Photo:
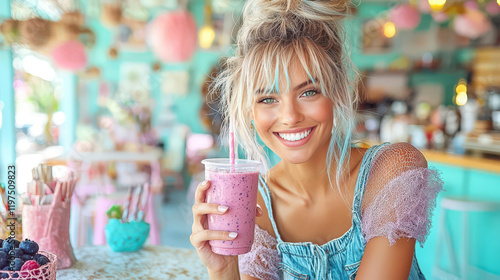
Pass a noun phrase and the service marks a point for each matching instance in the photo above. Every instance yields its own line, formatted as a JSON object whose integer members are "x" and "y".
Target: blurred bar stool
{"x": 464, "y": 205}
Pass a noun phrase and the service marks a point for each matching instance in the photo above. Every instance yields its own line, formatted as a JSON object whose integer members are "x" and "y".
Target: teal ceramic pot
{"x": 126, "y": 237}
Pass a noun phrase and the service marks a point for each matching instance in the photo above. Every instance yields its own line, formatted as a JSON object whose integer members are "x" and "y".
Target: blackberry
{"x": 29, "y": 247}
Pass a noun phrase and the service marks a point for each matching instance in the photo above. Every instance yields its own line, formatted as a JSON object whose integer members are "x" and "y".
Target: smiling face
{"x": 295, "y": 123}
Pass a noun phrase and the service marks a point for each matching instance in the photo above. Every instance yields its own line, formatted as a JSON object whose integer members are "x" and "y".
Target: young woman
{"x": 330, "y": 210}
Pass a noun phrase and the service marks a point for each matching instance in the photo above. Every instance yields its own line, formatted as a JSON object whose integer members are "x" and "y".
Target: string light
{"x": 437, "y": 5}
{"x": 206, "y": 36}
{"x": 390, "y": 29}
{"x": 460, "y": 98}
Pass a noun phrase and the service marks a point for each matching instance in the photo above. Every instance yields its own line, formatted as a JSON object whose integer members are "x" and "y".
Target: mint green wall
{"x": 446, "y": 77}
{"x": 185, "y": 108}
{"x": 354, "y": 28}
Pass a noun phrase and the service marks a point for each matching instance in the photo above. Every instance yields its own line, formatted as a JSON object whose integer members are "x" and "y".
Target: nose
{"x": 290, "y": 112}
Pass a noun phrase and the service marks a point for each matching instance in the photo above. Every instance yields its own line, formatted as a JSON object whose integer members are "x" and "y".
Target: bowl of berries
{"x": 23, "y": 260}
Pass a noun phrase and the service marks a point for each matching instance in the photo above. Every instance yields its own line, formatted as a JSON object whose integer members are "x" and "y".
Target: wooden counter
{"x": 464, "y": 161}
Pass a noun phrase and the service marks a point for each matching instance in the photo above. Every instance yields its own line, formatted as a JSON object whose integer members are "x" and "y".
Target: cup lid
{"x": 227, "y": 162}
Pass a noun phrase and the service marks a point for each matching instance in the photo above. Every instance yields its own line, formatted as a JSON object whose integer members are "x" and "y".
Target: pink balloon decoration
{"x": 70, "y": 55}
{"x": 405, "y": 16}
{"x": 440, "y": 17}
{"x": 493, "y": 8}
{"x": 173, "y": 36}
{"x": 424, "y": 7}
{"x": 471, "y": 5}
{"x": 472, "y": 24}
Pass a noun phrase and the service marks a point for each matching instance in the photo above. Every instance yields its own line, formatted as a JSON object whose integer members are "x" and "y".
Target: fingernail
{"x": 204, "y": 183}
{"x": 222, "y": 208}
{"x": 260, "y": 210}
{"x": 233, "y": 234}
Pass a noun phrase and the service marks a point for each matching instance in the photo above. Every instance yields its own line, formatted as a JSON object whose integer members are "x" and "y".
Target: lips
{"x": 296, "y": 137}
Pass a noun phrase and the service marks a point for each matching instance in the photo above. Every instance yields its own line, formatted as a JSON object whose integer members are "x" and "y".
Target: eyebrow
{"x": 306, "y": 83}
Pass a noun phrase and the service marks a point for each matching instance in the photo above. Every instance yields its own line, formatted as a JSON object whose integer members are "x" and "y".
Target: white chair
{"x": 465, "y": 270}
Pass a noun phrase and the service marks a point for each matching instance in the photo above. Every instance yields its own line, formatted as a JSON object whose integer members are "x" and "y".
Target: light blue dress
{"x": 337, "y": 259}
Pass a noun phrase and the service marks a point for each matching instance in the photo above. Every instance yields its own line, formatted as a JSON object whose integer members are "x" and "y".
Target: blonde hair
{"x": 275, "y": 33}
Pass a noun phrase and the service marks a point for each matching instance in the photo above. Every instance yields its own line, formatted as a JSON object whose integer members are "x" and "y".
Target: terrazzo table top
{"x": 151, "y": 262}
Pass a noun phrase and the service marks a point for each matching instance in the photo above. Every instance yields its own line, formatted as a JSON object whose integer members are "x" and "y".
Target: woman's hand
{"x": 201, "y": 235}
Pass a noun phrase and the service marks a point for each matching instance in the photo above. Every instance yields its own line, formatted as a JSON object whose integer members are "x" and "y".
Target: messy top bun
{"x": 286, "y": 20}
{"x": 275, "y": 34}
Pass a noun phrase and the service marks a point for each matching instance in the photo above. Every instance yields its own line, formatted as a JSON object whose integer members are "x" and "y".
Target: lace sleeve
{"x": 400, "y": 195}
{"x": 263, "y": 260}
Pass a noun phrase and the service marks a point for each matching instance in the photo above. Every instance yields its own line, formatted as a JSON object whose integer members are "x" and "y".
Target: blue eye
{"x": 267, "y": 100}
{"x": 310, "y": 93}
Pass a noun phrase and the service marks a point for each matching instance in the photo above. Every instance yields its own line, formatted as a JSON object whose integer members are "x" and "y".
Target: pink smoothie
{"x": 238, "y": 191}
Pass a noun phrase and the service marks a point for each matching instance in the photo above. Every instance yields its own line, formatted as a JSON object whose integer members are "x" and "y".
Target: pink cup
{"x": 234, "y": 186}
{"x": 50, "y": 232}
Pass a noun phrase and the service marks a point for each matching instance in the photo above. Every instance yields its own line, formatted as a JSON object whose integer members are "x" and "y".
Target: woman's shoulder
{"x": 400, "y": 156}
{"x": 399, "y": 174}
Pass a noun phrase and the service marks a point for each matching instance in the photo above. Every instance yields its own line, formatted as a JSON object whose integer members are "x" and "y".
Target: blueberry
{"x": 3, "y": 255}
{"x": 18, "y": 263}
{"x": 41, "y": 259}
{"x": 7, "y": 245}
{"x": 29, "y": 247}
{"x": 1, "y": 241}
{"x": 18, "y": 253}
{"x": 4, "y": 262}
{"x": 16, "y": 243}
{"x": 26, "y": 257}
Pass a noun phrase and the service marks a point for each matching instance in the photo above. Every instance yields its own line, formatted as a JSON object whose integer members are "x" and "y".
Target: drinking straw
{"x": 231, "y": 150}
{"x": 138, "y": 204}
{"x": 128, "y": 203}
{"x": 142, "y": 214}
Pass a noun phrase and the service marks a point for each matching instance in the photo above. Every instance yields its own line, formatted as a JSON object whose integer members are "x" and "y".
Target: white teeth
{"x": 294, "y": 136}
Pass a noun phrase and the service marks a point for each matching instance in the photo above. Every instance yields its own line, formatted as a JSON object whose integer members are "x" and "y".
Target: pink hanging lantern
{"x": 70, "y": 55}
{"x": 173, "y": 36}
{"x": 440, "y": 17}
{"x": 405, "y": 16}
{"x": 472, "y": 24}
{"x": 493, "y": 8}
{"x": 471, "y": 5}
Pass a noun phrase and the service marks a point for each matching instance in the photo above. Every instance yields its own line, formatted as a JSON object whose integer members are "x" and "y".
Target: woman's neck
{"x": 306, "y": 180}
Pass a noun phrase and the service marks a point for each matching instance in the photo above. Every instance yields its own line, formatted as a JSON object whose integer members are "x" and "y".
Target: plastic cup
{"x": 234, "y": 186}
